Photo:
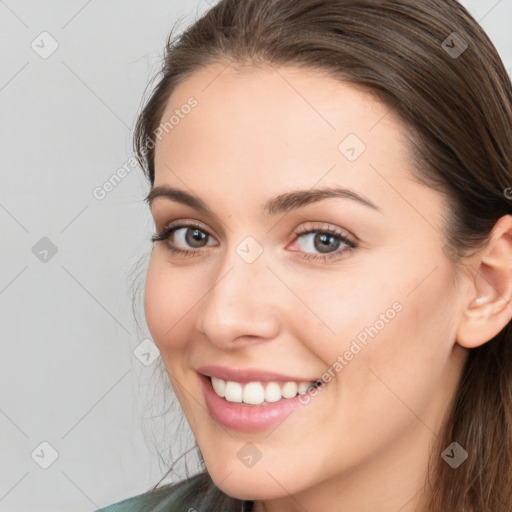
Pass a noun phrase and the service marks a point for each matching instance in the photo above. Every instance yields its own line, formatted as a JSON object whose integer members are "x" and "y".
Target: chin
{"x": 250, "y": 488}
{"x": 252, "y": 483}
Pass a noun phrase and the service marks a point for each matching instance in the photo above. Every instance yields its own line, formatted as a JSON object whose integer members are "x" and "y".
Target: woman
{"x": 332, "y": 267}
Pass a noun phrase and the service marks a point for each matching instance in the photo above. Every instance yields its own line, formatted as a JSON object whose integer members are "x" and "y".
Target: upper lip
{"x": 244, "y": 375}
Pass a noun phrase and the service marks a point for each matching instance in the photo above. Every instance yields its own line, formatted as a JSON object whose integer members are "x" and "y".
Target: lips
{"x": 244, "y": 376}
{"x": 236, "y": 414}
{"x": 244, "y": 417}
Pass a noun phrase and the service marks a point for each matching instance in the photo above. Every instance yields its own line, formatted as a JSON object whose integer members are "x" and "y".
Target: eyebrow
{"x": 283, "y": 203}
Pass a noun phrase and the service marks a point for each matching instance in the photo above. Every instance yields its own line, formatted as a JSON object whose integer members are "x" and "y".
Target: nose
{"x": 241, "y": 306}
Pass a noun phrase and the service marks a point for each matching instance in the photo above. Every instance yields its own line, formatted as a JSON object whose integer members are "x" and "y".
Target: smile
{"x": 242, "y": 402}
{"x": 258, "y": 393}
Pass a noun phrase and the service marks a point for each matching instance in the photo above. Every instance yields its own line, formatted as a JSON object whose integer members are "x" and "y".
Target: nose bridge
{"x": 239, "y": 302}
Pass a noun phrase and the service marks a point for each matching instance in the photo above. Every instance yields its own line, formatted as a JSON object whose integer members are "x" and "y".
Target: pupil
{"x": 196, "y": 236}
{"x": 325, "y": 240}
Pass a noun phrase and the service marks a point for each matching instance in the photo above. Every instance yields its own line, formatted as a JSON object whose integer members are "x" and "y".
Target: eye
{"x": 323, "y": 243}
{"x": 190, "y": 236}
{"x": 188, "y": 239}
{"x": 184, "y": 239}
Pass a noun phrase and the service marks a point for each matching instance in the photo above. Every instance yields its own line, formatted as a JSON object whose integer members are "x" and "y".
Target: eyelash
{"x": 168, "y": 231}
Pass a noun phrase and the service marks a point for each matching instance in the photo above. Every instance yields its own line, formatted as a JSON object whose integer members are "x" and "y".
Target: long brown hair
{"x": 431, "y": 63}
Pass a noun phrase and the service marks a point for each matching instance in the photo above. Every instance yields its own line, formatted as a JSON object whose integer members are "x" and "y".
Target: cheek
{"x": 398, "y": 322}
{"x": 167, "y": 304}
{"x": 406, "y": 360}
{"x": 343, "y": 312}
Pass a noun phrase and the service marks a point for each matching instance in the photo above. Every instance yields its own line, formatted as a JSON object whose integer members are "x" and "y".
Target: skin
{"x": 363, "y": 442}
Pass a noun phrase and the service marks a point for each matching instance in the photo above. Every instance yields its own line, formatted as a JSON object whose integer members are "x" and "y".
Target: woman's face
{"x": 352, "y": 287}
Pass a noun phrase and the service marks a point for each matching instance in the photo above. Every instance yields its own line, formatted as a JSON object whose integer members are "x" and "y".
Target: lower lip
{"x": 246, "y": 417}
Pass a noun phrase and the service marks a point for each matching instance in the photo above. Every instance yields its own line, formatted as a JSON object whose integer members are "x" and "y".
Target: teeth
{"x": 219, "y": 386}
{"x": 258, "y": 393}
{"x": 303, "y": 387}
{"x": 253, "y": 393}
{"x": 233, "y": 392}
{"x": 289, "y": 390}
{"x": 272, "y": 392}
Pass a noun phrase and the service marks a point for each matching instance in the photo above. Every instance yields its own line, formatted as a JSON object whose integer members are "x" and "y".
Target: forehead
{"x": 277, "y": 114}
{"x": 262, "y": 130}
{"x": 265, "y": 100}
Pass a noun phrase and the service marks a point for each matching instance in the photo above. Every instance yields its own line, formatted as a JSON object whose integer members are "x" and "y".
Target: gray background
{"x": 75, "y": 370}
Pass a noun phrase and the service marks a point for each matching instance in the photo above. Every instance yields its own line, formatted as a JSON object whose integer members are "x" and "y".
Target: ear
{"x": 489, "y": 307}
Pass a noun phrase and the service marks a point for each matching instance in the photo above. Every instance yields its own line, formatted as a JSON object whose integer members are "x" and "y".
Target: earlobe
{"x": 489, "y": 307}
